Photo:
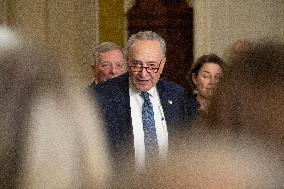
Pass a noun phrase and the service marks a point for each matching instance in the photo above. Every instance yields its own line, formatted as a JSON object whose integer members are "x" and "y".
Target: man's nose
{"x": 113, "y": 70}
{"x": 144, "y": 72}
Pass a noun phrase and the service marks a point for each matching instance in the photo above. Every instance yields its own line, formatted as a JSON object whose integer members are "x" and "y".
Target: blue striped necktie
{"x": 150, "y": 136}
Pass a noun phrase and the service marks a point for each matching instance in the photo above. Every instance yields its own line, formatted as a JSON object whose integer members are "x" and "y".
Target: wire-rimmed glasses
{"x": 151, "y": 68}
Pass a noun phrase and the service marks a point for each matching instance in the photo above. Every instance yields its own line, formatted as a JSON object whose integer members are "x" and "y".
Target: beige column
{"x": 3, "y": 12}
{"x": 30, "y": 19}
{"x": 69, "y": 27}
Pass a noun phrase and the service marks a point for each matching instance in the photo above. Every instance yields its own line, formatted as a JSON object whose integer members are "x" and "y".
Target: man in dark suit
{"x": 123, "y": 103}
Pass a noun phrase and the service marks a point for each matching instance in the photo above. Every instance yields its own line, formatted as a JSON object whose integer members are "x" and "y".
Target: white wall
{"x": 218, "y": 23}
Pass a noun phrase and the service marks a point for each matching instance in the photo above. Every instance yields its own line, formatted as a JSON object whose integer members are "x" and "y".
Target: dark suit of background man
{"x": 121, "y": 101}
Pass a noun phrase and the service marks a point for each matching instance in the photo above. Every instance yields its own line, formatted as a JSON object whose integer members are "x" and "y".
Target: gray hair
{"x": 146, "y": 35}
{"x": 105, "y": 47}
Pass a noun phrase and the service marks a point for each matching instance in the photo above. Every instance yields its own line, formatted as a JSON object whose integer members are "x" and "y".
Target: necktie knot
{"x": 145, "y": 96}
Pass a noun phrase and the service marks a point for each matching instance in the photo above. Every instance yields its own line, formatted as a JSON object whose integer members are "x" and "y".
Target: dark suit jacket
{"x": 113, "y": 97}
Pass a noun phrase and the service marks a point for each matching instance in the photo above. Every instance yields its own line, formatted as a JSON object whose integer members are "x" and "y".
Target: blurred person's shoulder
{"x": 112, "y": 86}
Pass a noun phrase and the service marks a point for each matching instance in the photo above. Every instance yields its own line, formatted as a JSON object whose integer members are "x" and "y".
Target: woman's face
{"x": 207, "y": 79}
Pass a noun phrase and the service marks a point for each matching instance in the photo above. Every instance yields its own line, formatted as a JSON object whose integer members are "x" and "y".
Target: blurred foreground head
{"x": 50, "y": 135}
{"x": 212, "y": 163}
{"x": 251, "y": 98}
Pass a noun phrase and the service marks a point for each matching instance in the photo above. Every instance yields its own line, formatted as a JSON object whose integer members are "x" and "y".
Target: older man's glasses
{"x": 151, "y": 68}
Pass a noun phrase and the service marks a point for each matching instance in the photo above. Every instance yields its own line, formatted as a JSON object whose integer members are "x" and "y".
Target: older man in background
{"x": 109, "y": 62}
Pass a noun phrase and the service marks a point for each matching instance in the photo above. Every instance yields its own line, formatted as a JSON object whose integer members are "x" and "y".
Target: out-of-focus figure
{"x": 109, "y": 62}
{"x": 205, "y": 77}
{"x": 233, "y": 50}
{"x": 50, "y": 135}
{"x": 250, "y": 101}
{"x": 212, "y": 162}
{"x": 239, "y": 46}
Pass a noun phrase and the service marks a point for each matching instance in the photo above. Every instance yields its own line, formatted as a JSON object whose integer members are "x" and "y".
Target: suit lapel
{"x": 165, "y": 98}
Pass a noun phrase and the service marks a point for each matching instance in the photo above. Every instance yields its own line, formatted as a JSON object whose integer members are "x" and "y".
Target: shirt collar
{"x": 132, "y": 91}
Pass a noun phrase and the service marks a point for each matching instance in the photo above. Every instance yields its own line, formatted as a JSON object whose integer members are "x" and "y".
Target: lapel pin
{"x": 170, "y": 102}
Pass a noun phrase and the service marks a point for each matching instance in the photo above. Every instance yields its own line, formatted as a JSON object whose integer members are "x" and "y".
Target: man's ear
{"x": 163, "y": 62}
{"x": 164, "y": 59}
{"x": 93, "y": 66}
{"x": 94, "y": 69}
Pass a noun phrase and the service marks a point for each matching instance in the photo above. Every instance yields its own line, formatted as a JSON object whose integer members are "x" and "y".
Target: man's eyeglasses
{"x": 151, "y": 68}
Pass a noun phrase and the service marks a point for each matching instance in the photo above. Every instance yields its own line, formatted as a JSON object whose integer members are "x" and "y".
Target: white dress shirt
{"x": 136, "y": 102}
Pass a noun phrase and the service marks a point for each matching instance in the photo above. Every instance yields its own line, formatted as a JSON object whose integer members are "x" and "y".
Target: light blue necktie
{"x": 150, "y": 136}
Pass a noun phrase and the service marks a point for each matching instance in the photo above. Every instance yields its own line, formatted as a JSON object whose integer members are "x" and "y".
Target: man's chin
{"x": 142, "y": 88}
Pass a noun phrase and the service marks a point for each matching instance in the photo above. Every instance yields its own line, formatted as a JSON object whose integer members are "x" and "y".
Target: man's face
{"x": 146, "y": 53}
{"x": 111, "y": 64}
{"x": 207, "y": 79}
